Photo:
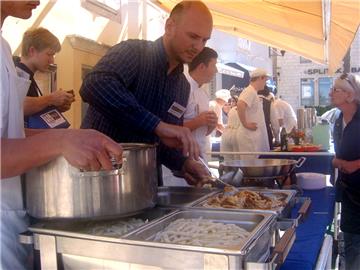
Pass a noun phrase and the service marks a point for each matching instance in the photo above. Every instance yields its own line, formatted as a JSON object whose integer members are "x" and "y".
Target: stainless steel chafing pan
{"x": 178, "y": 197}
{"x": 260, "y": 168}
{"x": 79, "y": 251}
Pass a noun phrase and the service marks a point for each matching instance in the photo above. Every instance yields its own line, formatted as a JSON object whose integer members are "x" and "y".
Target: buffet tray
{"x": 181, "y": 197}
{"x": 260, "y": 225}
{"x": 281, "y": 212}
{"x": 79, "y": 228}
{"x": 64, "y": 246}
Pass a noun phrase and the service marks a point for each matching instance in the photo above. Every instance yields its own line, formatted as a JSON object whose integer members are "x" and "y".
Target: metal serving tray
{"x": 281, "y": 212}
{"x": 60, "y": 249}
{"x": 180, "y": 197}
{"x": 80, "y": 228}
{"x": 256, "y": 247}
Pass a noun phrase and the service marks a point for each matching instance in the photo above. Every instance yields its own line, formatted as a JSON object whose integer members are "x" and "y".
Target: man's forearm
{"x": 20, "y": 155}
{"x": 36, "y": 104}
{"x": 193, "y": 123}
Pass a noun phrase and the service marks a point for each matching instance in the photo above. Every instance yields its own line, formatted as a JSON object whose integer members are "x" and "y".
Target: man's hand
{"x": 251, "y": 126}
{"x": 195, "y": 173}
{"x": 178, "y": 137}
{"x": 89, "y": 149}
{"x": 344, "y": 166}
{"x": 208, "y": 118}
{"x": 60, "y": 98}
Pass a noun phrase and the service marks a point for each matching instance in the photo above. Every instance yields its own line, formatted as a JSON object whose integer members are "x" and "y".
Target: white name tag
{"x": 53, "y": 118}
{"x": 176, "y": 110}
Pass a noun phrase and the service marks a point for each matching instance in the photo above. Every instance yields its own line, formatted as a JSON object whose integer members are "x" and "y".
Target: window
{"x": 324, "y": 85}
{"x": 304, "y": 60}
{"x": 307, "y": 92}
{"x": 106, "y": 8}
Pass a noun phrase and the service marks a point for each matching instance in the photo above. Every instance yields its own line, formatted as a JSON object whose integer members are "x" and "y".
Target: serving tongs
{"x": 214, "y": 178}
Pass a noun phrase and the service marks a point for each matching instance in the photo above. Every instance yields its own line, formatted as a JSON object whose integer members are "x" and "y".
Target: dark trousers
{"x": 352, "y": 251}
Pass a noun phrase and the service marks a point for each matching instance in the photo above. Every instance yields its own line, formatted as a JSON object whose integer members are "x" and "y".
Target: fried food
{"x": 246, "y": 199}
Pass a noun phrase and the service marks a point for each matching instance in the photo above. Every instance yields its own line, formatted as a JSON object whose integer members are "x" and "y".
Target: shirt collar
{"x": 160, "y": 49}
{"x": 25, "y": 68}
{"x": 191, "y": 80}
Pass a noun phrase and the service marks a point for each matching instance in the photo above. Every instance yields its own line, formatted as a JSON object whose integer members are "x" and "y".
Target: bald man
{"x": 140, "y": 85}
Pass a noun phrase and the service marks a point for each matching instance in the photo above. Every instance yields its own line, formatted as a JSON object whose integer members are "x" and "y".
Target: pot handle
{"x": 26, "y": 238}
{"x": 300, "y": 162}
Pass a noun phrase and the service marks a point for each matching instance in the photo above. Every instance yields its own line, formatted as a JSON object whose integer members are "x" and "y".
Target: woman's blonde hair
{"x": 40, "y": 39}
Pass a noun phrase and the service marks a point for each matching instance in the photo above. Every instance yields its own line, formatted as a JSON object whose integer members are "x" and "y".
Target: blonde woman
{"x": 345, "y": 95}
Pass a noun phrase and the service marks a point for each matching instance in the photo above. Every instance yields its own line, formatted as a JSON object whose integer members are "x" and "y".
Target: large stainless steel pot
{"x": 58, "y": 190}
{"x": 261, "y": 168}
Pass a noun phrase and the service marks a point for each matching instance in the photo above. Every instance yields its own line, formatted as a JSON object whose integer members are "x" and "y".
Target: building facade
{"x": 302, "y": 82}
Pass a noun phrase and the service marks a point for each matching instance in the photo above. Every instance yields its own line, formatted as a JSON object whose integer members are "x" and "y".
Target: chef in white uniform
{"x": 252, "y": 133}
{"x": 229, "y": 141}
{"x": 77, "y": 146}
{"x": 198, "y": 117}
{"x": 222, "y": 97}
{"x": 286, "y": 115}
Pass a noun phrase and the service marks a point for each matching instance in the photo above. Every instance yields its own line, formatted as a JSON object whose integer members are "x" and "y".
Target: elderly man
{"x": 198, "y": 118}
{"x": 140, "y": 84}
{"x": 252, "y": 133}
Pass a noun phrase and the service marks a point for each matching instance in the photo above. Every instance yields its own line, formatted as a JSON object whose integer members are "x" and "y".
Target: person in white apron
{"x": 252, "y": 133}
{"x": 229, "y": 141}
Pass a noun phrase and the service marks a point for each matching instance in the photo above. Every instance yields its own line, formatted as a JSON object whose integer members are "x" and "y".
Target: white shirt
{"x": 12, "y": 215}
{"x": 198, "y": 102}
{"x": 286, "y": 112}
{"x": 253, "y": 140}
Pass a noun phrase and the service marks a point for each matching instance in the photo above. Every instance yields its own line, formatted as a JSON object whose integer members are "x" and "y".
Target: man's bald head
{"x": 187, "y": 30}
{"x": 181, "y": 8}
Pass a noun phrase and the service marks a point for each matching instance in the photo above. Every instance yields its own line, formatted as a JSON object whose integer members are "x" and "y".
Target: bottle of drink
{"x": 283, "y": 139}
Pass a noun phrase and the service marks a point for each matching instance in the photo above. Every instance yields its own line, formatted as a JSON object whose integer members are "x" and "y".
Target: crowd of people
{"x": 138, "y": 92}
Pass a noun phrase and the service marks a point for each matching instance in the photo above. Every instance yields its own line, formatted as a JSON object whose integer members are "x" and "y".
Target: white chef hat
{"x": 258, "y": 72}
{"x": 349, "y": 83}
{"x": 223, "y": 94}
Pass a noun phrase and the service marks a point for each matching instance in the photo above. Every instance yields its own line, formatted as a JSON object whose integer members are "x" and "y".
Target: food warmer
{"x": 63, "y": 247}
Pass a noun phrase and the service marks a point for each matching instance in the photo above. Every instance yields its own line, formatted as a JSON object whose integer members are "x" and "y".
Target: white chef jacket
{"x": 229, "y": 137}
{"x": 286, "y": 112}
{"x": 252, "y": 140}
{"x": 13, "y": 217}
{"x": 198, "y": 102}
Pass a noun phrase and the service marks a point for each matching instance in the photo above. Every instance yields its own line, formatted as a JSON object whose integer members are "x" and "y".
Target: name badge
{"x": 177, "y": 110}
{"x": 53, "y": 118}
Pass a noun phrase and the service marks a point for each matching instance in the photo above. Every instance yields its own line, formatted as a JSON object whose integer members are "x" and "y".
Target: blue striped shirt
{"x": 129, "y": 91}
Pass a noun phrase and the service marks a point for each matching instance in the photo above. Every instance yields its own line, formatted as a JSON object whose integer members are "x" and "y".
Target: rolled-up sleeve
{"x": 106, "y": 88}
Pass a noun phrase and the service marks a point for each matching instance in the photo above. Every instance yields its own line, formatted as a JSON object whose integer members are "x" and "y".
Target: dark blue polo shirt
{"x": 129, "y": 91}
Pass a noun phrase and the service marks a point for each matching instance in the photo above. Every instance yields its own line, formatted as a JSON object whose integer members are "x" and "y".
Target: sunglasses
{"x": 345, "y": 77}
